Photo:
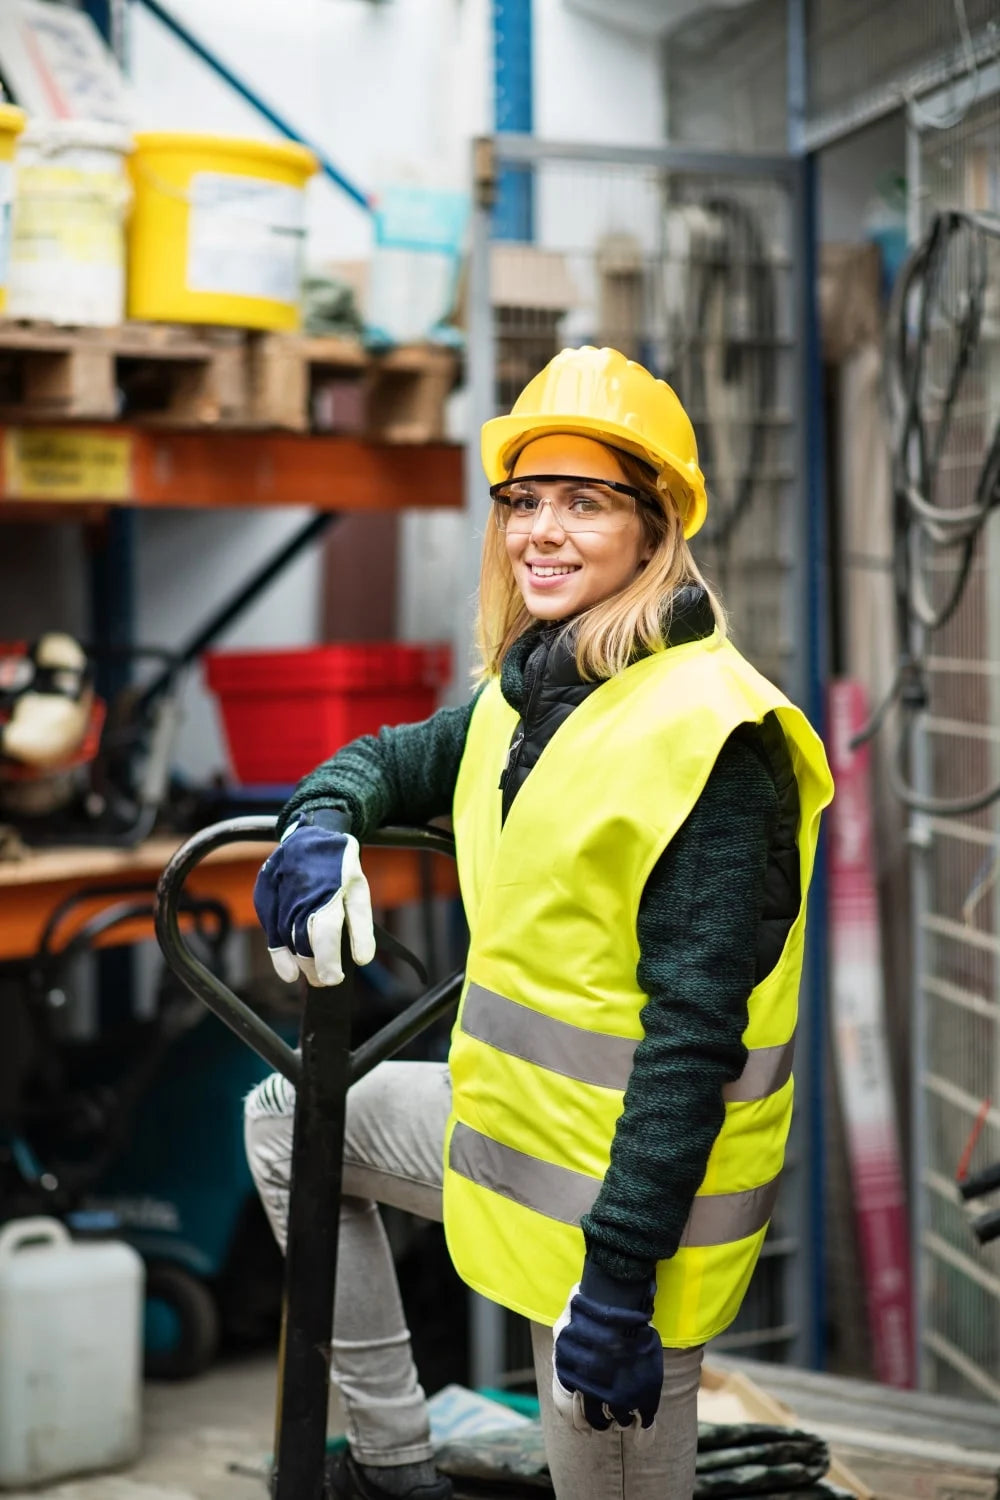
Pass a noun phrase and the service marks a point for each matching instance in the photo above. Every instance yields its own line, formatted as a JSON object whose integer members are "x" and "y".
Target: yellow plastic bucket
{"x": 12, "y": 122}
{"x": 217, "y": 230}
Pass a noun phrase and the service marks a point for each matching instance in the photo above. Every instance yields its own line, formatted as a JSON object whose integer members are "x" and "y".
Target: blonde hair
{"x": 611, "y": 634}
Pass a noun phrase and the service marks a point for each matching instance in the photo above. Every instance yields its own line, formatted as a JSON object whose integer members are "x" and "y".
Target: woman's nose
{"x": 545, "y": 521}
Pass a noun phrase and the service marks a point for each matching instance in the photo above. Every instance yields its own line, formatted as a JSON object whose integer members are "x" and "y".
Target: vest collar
{"x": 539, "y": 678}
{"x": 548, "y": 651}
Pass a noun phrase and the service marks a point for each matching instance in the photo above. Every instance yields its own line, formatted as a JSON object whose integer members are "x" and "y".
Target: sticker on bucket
{"x": 245, "y": 237}
{"x": 68, "y": 251}
{"x": 6, "y": 205}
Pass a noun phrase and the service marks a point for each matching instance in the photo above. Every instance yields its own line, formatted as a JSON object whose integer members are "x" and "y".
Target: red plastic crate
{"x": 284, "y": 712}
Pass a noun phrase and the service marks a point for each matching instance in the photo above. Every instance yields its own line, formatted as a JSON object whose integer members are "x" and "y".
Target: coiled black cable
{"x": 922, "y": 524}
{"x": 737, "y": 266}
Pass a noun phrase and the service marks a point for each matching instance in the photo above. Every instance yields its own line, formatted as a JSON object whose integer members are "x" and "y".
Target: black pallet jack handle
{"x": 322, "y": 1074}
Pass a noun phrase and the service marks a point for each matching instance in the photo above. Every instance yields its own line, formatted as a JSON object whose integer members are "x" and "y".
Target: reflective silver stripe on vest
{"x": 590, "y": 1056}
{"x": 562, "y": 1048}
{"x": 767, "y": 1069}
{"x": 560, "y": 1193}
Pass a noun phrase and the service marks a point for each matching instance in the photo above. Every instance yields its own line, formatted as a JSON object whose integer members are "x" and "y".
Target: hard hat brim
{"x": 504, "y": 437}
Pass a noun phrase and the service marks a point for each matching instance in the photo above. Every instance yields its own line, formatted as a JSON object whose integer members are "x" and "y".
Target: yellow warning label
{"x": 60, "y": 463}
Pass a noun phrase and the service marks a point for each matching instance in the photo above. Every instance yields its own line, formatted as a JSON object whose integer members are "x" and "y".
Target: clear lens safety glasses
{"x": 575, "y": 504}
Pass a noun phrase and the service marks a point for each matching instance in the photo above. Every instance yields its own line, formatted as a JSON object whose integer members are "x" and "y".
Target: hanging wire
{"x": 731, "y": 274}
{"x": 926, "y": 530}
{"x": 925, "y": 119}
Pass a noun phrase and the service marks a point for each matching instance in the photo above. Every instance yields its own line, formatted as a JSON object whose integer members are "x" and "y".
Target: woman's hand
{"x": 306, "y": 890}
{"x": 607, "y": 1359}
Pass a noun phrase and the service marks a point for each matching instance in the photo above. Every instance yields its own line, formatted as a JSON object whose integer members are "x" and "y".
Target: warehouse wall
{"x": 391, "y": 92}
{"x": 384, "y": 90}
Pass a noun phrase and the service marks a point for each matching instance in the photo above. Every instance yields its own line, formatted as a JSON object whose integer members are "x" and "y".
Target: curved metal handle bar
{"x": 99, "y": 923}
{"x": 239, "y": 1016}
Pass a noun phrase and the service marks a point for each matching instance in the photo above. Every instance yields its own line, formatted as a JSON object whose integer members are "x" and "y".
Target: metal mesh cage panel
{"x": 959, "y": 937}
{"x": 692, "y": 278}
{"x": 691, "y": 275}
{"x": 726, "y": 71}
{"x": 891, "y": 50}
{"x": 726, "y": 78}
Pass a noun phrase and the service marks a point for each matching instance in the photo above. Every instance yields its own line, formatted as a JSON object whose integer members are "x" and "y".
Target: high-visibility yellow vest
{"x": 549, "y": 1020}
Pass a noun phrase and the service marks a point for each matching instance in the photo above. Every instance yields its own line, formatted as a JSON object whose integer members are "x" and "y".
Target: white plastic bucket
{"x": 70, "y": 1353}
{"x": 71, "y": 197}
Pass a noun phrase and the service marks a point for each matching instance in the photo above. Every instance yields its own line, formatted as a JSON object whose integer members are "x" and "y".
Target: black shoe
{"x": 345, "y": 1481}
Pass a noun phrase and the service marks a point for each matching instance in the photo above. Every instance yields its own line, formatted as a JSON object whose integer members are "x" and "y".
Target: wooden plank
{"x": 904, "y": 1444}
{"x": 730, "y": 1396}
{"x": 872, "y": 1404}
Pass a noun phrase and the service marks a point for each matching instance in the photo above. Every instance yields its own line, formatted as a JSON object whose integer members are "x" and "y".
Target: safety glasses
{"x": 575, "y": 503}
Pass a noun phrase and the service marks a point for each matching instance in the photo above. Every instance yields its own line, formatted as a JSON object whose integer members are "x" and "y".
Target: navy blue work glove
{"x": 607, "y": 1359}
{"x": 306, "y": 890}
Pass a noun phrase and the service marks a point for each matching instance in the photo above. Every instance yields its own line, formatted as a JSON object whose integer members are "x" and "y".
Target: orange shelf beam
{"x": 83, "y": 466}
{"x": 32, "y": 888}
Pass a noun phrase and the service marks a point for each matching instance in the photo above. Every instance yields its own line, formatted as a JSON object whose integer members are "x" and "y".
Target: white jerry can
{"x": 70, "y": 1353}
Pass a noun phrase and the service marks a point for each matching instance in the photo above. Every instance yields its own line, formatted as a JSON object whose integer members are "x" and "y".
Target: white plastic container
{"x": 71, "y": 198}
{"x": 70, "y": 1353}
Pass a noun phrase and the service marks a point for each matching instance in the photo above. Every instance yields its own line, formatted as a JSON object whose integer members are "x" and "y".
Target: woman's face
{"x": 562, "y": 572}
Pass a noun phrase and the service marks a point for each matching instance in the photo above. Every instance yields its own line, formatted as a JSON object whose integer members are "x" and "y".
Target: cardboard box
{"x": 850, "y": 306}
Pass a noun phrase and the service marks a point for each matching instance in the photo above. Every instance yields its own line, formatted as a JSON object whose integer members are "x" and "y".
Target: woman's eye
{"x": 586, "y": 504}
{"x": 523, "y": 505}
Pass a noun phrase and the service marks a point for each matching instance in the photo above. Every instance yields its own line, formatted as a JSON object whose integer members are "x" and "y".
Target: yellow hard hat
{"x": 598, "y": 393}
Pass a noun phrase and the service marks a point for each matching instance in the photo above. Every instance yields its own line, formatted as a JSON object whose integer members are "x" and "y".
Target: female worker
{"x": 636, "y": 812}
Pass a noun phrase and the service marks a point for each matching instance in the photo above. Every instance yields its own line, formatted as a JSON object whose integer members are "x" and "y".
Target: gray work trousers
{"x": 393, "y": 1154}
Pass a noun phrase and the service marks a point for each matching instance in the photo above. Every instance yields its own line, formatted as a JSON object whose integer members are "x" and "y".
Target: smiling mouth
{"x": 552, "y": 570}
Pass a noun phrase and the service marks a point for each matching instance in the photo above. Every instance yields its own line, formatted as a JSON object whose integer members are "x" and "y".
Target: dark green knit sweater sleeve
{"x": 404, "y": 774}
{"x": 697, "y": 928}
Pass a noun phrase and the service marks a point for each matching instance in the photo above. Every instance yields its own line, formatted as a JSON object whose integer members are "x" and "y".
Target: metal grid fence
{"x": 692, "y": 277}
{"x": 865, "y": 57}
{"x": 727, "y": 70}
{"x": 958, "y": 912}
{"x": 692, "y": 273}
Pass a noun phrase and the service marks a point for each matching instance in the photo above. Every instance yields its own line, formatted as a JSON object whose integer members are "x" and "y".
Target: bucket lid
{"x": 290, "y": 153}
{"x": 12, "y": 119}
{"x": 64, "y": 135}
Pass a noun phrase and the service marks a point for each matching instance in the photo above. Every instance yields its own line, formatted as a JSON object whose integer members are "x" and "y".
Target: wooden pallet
{"x": 167, "y": 374}
{"x": 184, "y": 376}
{"x": 50, "y": 372}
{"x": 301, "y": 383}
{"x": 294, "y": 381}
{"x": 178, "y": 376}
{"x": 406, "y": 395}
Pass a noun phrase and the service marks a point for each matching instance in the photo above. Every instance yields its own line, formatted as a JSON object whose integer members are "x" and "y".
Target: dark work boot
{"x": 346, "y": 1481}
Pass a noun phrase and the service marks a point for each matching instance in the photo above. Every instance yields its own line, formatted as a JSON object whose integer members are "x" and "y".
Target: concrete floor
{"x": 203, "y": 1439}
